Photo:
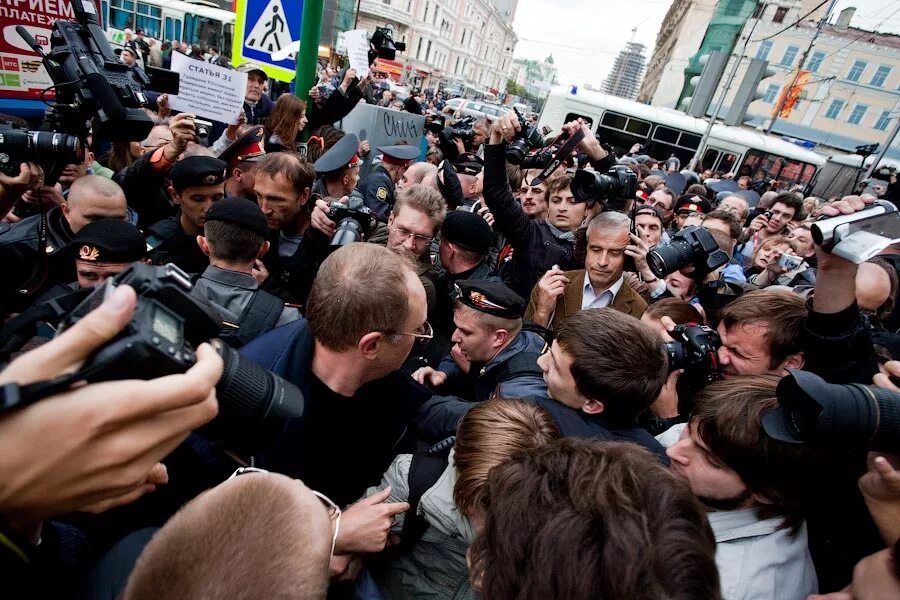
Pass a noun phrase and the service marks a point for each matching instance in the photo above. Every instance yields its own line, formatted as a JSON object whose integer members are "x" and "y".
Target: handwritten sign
{"x": 383, "y": 127}
{"x": 208, "y": 90}
{"x": 357, "y": 42}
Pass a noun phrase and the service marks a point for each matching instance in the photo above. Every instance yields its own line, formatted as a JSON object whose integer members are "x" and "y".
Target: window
{"x": 428, "y": 51}
{"x": 759, "y": 10}
{"x": 779, "y": 15}
{"x": 790, "y": 55}
{"x": 835, "y": 109}
{"x": 880, "y": 76}
{"x": 815, "y": 61}
{"x": 149, "y": 18}
{"x": 856, "y": 70}
{"x": 859, "y": 111}
{"x": 419, "y": 50}
{"x": 763, "y": 52}
{"x": 771, "y": 94}
{"x": 121, "y": 14}
{"x": 425, "y": 16}
{"x": 882, "y": 123}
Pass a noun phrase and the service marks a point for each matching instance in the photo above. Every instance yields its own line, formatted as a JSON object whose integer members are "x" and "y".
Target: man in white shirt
{"x": 600, "y": 284}
{"x": 757, "y": 489}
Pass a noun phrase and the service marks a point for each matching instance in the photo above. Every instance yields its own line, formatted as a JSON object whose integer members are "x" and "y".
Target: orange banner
{"x": 791, "y": 95}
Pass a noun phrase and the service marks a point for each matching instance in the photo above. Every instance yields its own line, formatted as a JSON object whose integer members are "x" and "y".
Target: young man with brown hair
{"x": 581, "y": 519}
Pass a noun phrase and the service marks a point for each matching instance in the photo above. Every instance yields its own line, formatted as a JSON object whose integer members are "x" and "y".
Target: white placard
{"x": 209, "y": 91}
{"x": 358, "y": 51}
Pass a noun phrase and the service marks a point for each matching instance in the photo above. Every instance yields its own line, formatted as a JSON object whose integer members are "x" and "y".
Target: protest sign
{"x": 208, "y": 90}
{"x": 358, "y": 51}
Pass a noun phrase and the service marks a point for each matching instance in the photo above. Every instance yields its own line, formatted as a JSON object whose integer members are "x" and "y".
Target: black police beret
{"x": 197, "y": 171}
{"x": 468, "y": 164}
{"x": 491, "y": 297}
{"x": 468, "y": 231}
{"x": 109, "y": 240}
{"x": 240, "y": 212}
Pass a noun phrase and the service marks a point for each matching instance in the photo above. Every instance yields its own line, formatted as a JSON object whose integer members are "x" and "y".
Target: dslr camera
{"x": 860, "y": 236}
{"x": 167, "y": 325}
{"x": 49, "y": 149}
{"x": 619, "y": 183}
{"x": 694, "y": 349}
{"x": 355, "y": 222}
{"x": 526, "y": 139}
{"x": 692, "y": 245}
{"x": 812, "y": 411}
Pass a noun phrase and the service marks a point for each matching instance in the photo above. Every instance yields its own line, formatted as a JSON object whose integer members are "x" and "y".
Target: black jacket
{"x": 168, "y": 243}
{"x": 145, "y": 190}
{"x": 535, "y": 246}
{"x": 24, "y": 267}
{"x": 838, "y": 347}
{"x": 391, "y": 401}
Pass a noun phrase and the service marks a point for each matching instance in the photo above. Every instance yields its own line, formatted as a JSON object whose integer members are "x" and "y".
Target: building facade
{"x": 624, "y": 79}
{"x": 536, "y": 77}
{"x": 470, "y": 42}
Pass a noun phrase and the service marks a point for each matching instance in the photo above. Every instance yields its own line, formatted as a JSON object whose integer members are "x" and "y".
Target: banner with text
{"x": 208, "y": 90}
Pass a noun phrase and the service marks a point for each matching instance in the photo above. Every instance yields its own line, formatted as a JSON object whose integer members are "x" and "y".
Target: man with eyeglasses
{"x": 492, "y": 356}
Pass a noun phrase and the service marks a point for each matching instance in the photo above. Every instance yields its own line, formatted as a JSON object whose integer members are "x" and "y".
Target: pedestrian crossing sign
{"x": 261, "y": 29}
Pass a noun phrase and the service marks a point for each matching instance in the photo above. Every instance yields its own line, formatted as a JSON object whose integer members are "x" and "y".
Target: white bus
{"x": 196, "y": 22}
{"x": 664, "y": 132}
{"x": 843, "y": 172}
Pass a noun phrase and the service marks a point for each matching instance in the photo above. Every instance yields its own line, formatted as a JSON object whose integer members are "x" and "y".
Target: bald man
{"x": 33, "y": 262}
{"x": 416, "y": 173}
{"x": 259, "y": 531}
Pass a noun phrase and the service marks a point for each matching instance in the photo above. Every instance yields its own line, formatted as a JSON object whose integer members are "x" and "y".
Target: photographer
{"x": 537, "y": 245}
{"x": 33, "y": 250}
{"x": 785, "y": 208}
{"x": 112, "y": 458}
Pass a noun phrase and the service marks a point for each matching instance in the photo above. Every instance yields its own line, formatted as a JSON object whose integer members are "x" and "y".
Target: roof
{"x": 889, "y": 40}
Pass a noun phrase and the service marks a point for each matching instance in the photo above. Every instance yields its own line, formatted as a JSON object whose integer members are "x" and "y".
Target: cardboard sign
{"x": 358, "y": 51}
{"x": 22, "y": 76}
{"x": 208, "y": 90}
{"x": 383, "y": 127}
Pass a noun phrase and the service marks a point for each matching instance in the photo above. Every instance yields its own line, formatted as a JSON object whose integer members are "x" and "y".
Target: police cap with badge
{"x": 240, "y": 212}
{"x": 468, "y": 164}
{"x": 490, "y": 297}
{"x": 400, "y": 155}
{"x": 109, "y": 241}
{"x": 197, "y": 171}
{"x": 343, "y": 154}
{"x": 247, "y": 148}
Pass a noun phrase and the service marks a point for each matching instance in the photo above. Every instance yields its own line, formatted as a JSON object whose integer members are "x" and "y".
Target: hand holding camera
{"x": 638, "y": 250}
{"x": 183, "y": 130}
{"x": 549, "y": 288}
{"x": 758, "y": 223}
{"x": 320, "y": 220}
{"x": 505, "y": 128}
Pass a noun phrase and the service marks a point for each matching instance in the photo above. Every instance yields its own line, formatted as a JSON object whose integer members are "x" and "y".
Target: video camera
{"x": 527, "y": 138}
{"x": 860, "y": 236}
{"x": 355, "y": 221}
{"x": 694, "y": 349}
{"x": 619, "y": 183}
{"x": 692, "y": 245}
{"x": 816, "y": 412}
{"x": 167, "y": 325}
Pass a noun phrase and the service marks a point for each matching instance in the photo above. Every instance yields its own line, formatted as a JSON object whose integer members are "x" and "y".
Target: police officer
{"x": 378, "y": 188}
{"x": 103, "y": 249}
{"x": 234, "y": 239}
{"x": 492, "y": 355}
{"x": 240, "y": 156}
{"x": 197, "y": 182}
{"x": 338, "y": 169}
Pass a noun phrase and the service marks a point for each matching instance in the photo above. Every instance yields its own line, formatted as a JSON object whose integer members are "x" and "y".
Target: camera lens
{"x": 668, "y": 259}
{"x": 247, "y": 391}
{"x": 348, "y": 231}
{"x": 587, "y": 186}
{"x": 516, "y": 152}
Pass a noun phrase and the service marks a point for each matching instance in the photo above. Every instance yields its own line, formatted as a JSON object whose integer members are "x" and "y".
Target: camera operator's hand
{"x": 314, "y": 94}
{"x": 460, "y": 145}
{"x": 485, "y": 213}
{"x": 162, "y": 106}
{"x": 883, "y": 380}
{"x": 880, "y": 488}
{"x": 836, "y": 277}
{"x": 123, "y": 427}
{"x": 758, "y": 223}
{"x": 588, "y": 144}
{"x": 349, "y": 76}
{"x": 666, "y": 404}
{"x": 505, "y": 129}
{"x": 638, "y": 250}
{"x": 548, "y": 290}
{"x": 365, "y": 525}
{"x": 183, "y": 131}
{"x": 430, "y": 377}
{"x": 45, "y": 197}
{"x": 29, "y": 179}
{"x": 320, "y": 220}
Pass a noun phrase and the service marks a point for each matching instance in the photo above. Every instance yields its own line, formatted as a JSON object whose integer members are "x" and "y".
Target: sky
{"x": 584, "y": 36}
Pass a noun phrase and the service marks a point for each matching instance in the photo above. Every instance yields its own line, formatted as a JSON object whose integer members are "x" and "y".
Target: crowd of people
{"x": 502, "y": 395}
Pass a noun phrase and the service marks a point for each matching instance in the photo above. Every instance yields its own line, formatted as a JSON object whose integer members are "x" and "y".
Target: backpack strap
{"x": 523, "y": 363}
{"x": 260, "y": 315}
{"x": 424, "y": 471}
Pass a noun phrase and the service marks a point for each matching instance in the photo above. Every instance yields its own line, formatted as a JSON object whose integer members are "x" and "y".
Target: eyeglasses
{"x": 425, "y": 332}
{"x": 405, "y": 234}
{"x": 334, "y": 511}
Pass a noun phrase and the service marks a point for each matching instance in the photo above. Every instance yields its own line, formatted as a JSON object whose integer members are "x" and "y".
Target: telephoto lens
{"x": 692, "y": 245}
{"x": 247, "y": 391}
{"x": 813, "y": 411}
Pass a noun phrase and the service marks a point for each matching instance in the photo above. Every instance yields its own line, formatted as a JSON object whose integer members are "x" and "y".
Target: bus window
{"x": 104, "y": 13}
{"x": 614, "y": 120}
{"x": 726, "y": 165}
{"x": 169, "y": 30}
{"x": 689, "y": 140}
{"x": 784, "y": 170}
{"x": 573, "y": 117}
{"x": 227, "y": 37}
{"x": 121, "y": 14}
{"x": 709, "y": 159}
{"x": 641, "y": 128}
{"x": 149, "y": 18}
{"x": 666, "y": 134}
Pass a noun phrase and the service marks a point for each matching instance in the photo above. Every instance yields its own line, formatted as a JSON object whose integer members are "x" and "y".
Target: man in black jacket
{"x": 32, "y": 250}
{"x": 537, "y": 245}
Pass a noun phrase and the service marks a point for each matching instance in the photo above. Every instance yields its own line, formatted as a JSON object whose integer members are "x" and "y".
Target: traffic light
{"x": 749, "y": 91}
{"x": 706, "y": 84}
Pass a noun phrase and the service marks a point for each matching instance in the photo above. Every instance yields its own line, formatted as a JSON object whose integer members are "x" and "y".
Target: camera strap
{"x": 21, "y": 328}
{"x": 561, "y": 155}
